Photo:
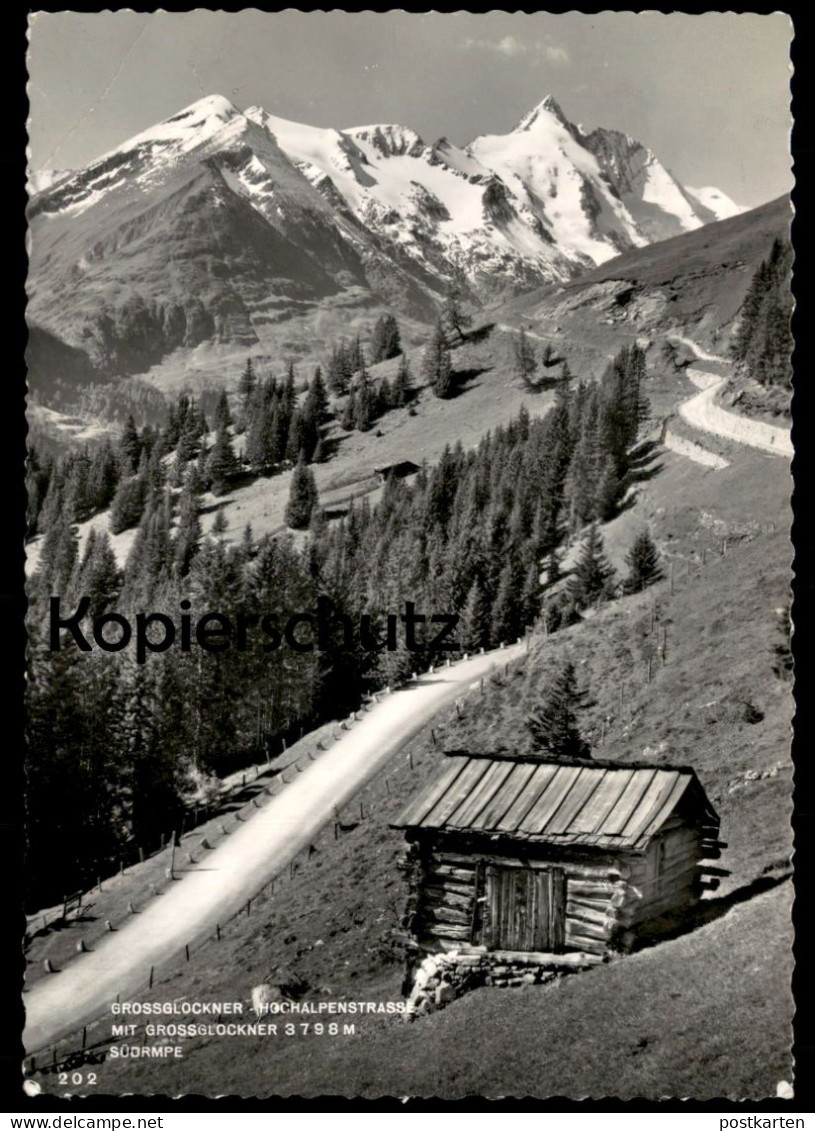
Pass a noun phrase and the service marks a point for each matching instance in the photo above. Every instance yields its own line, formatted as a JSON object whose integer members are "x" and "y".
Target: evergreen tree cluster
{"x": 762, "y": 345}
{"x": 278, "y": 429}
{"x": 368, "y": 401}
{"x": 599, "y": 424}
{"x": 348, "y": 358}
{"x": 469, "y": 536}
{"x": 385, "y": 340}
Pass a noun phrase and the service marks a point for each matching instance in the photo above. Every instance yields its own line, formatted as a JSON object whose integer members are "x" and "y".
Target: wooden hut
{"x": 400, "y": 470}
{"x": 522, "y": 856}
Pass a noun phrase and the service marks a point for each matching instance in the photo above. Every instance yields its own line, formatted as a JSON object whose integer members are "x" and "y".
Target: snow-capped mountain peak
{"x": 549, "y": 106}
{"x": 190, "y": 127}
{"x": 294, "y": 215}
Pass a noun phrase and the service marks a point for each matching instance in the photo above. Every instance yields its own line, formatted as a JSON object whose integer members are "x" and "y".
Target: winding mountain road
{"x": 702, "y": 411}
{"x": 227, "y": 876}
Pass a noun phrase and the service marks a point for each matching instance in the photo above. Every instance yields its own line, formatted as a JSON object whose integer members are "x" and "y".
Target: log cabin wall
{"x": 594, "y": 898}
{"x": 668, "y": 875}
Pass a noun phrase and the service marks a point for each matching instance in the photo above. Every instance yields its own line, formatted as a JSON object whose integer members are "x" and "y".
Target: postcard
{"x": 408, "y": 563}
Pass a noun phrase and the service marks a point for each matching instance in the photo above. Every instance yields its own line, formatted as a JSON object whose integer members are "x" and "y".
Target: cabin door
{"x": 524, "y": 908}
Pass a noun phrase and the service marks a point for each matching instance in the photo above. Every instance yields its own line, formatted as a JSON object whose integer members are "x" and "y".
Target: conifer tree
{"x": 530, "y": 596}
{"x": 553, "y": 570}
{"x": 363, "y": 407}
{"x": 130, "y": 447}
{"x": 349, "y": 413}
{"x": 553, "y": 726}
{"x": 474, "y": 626}
{"x": 383, "y": 398}
{"x": 302, "y": 497}
{"x": 197, "y": 476}
{"x": 453, "y": 318}
{"x": 129, "y": 502}
{"x": 356, "y": 355}
{"x": 104, "y": 477}
{"x": 223, "y": 413}
{"x": 524, "y": 362}
{"x": 189, "y": 442}
{"x": 508, "y": 612}
{"x": 437, "y": 368}
{"x": 59, "y": 554}
{"x": 187, "y": 541}
{"x": 339, "y": 369}
{"x": 316, "y": 405}
{"x": 643, "y": 563}
{"x": 402, "y": 383}
{"x": 385, "y": 339}
{"x": 248, "y": 542}
{"x": 220, "y": 524}
{"x": 300, "y": 442}
{"x": 247, "y": 383}
{"x": 592, "y": 579}
{"x": 100, "y": 577}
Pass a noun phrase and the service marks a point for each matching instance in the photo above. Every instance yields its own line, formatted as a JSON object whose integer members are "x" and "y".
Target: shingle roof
{"x": 602, "y": 805}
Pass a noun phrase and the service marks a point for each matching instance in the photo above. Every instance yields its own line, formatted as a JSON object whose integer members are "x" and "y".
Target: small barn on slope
{"x": 526, "y": 857}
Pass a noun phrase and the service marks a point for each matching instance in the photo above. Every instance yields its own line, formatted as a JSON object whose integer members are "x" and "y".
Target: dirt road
{"x": 241, "y": 865}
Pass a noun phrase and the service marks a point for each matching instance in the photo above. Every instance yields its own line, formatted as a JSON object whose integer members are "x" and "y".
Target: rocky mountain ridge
{"x": 223, "y": 230}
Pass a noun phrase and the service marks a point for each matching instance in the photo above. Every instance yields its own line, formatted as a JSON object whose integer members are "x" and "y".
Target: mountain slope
{"x": 693, "y": 283}
{"x": 217, "y": 228}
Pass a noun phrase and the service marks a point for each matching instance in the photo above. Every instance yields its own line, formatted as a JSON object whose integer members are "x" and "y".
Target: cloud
{"x": 511, "y": 48}
{"x": 559, "y": 56}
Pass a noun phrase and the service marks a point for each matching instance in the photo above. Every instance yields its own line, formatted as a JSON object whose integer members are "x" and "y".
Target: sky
{"x": 708, "y": 93}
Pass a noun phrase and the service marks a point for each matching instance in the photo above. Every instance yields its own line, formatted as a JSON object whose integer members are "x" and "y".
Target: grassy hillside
{"x": 704, "y": 1015}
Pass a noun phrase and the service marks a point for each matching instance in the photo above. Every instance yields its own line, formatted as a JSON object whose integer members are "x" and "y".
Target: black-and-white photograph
{"x": 409, "y": 676}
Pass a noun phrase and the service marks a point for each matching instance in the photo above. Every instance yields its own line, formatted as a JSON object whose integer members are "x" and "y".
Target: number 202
{"x": 77, "y": 1078}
